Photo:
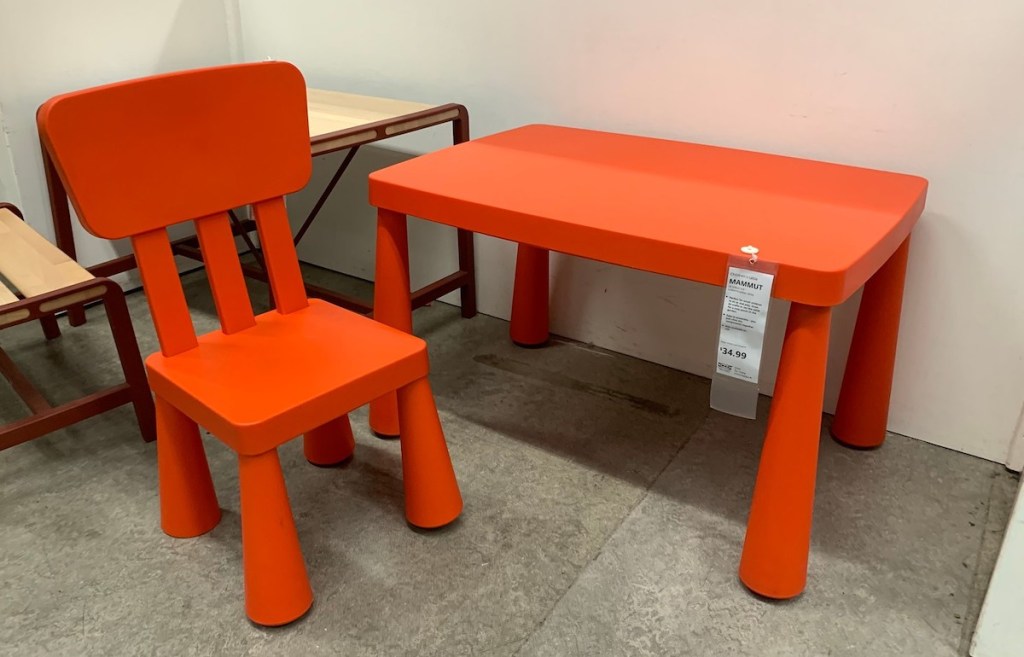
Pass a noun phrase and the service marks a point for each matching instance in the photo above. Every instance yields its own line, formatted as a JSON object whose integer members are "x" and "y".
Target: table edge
{"x": 378, "y": 130}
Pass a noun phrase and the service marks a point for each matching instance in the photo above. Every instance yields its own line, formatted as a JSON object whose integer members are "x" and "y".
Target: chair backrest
{"x": 141, "y": 155}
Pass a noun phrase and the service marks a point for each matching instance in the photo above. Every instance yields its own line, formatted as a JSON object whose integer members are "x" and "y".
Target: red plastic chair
{"x": 141, "y": 155}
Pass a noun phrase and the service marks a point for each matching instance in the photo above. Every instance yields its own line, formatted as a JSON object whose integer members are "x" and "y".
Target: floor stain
{"x": 563, "y": 381}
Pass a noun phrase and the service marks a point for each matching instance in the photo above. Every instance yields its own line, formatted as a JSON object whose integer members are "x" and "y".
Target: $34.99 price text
{"x": 726, "y": 351}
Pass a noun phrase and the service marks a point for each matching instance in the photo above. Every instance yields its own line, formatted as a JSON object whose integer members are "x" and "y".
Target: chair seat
{"x": 286, "y": 375}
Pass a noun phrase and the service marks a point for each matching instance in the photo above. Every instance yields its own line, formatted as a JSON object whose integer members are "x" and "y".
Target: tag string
{"x": 751, "y": 251}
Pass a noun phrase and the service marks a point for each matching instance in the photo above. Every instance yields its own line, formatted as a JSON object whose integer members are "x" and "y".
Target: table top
{"x": 341, "y": 120}
{"x": 670, "y": 207}
{"x": 32, "y": 264}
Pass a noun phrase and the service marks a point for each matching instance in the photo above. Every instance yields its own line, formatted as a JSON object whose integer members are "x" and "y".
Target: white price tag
{"x": 744, "y": 313}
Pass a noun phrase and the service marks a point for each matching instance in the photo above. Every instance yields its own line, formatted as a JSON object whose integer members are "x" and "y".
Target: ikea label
{"x": 744, "y": 313}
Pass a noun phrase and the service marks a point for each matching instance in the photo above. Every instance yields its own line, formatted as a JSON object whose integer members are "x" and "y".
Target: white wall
{"x": 999, "y": 632}
{"x": 931, "y": 88}
{"x": 1015, "y": 458}
{"x": 923, "y": 87}
{"x": 61, "y": 45}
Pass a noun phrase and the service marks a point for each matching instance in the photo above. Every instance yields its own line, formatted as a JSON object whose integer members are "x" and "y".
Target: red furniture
{"x": 141, "y": 155}
{"x": 682, "y": 209}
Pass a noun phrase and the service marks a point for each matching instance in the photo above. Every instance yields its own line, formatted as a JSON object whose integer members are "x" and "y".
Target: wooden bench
{"x": 47, "y": 281}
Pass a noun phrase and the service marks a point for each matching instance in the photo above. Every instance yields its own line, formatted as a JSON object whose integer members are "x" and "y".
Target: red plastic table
{"x": 682, "y": 209}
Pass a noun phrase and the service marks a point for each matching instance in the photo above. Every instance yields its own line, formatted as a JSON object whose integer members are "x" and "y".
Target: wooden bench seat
{"x": 31, "y": 263}
{"x": 33, "y": 266}
{"x": 6, "y": 296}
{"x": 339, "y": 120}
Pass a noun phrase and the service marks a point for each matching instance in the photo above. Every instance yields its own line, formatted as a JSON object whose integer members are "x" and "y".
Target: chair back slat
{"x": 279, "y": 255}
{"x": 163, "y": 290}
{"x": 224, "y": 270}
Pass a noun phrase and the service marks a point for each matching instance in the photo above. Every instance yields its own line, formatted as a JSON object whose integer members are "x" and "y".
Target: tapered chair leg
{"x": 530, "y": 303}
{"x": 774, "y": 561}
{"x": 277, "y": 588}
{"x": 188, "y": 503}
{"x": 432, "y": 497}
{"x": 330, "y": 444}
{"x": 862, "y": 412}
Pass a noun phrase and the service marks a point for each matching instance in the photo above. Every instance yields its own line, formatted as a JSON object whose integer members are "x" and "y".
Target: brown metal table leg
{"x": 467, "y": 258}
{"x": 62, "y": 232}
{"x": 325, "y": 194}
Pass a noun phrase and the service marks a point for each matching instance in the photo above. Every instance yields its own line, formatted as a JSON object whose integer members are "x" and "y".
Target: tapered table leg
{"x": 530, "y": 297}
{"x": 862, "y": 413}
{"x": 774, "y": 561}
{"x": 392, "y": 304}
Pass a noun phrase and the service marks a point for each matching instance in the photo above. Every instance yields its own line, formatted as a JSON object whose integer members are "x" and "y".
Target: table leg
{"x": 774, "y": 561}
{"x": 64, "y": 235}
{"x": 863, "y": 409}
{"x": 60, "y": 211}
{"x": 467, "y": 260}
{"x": 530, "y": 297}
{"x": 392, "y": 303}
{"x": 467, "y": 264}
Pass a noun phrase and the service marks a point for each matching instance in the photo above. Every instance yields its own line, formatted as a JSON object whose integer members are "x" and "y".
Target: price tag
{"x": 748, "y": 294}
{"x": 744, "y": 314}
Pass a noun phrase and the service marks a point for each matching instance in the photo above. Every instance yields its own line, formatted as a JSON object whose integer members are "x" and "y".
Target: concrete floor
{"x": 605, "y": 509}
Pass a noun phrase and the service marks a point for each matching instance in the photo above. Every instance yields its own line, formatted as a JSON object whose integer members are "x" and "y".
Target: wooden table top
{"x": 341, "y": 120}
{"x": 670, "y": 207}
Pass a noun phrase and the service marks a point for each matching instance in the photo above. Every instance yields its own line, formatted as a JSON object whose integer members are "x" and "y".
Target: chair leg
{"x": 76, "y": 315}
{"x": 51, "y": 329}
{"x": 330, "y": 444}
{"x": 774, "y": 561}
{"x": 529, "y": 326}
{"x": 862, "y": 412}
{"x": 277, "y": 588}
{"x": 432, "y": 497}
{"x": 131, "y": 361}
{"x": 188, "y": 503}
